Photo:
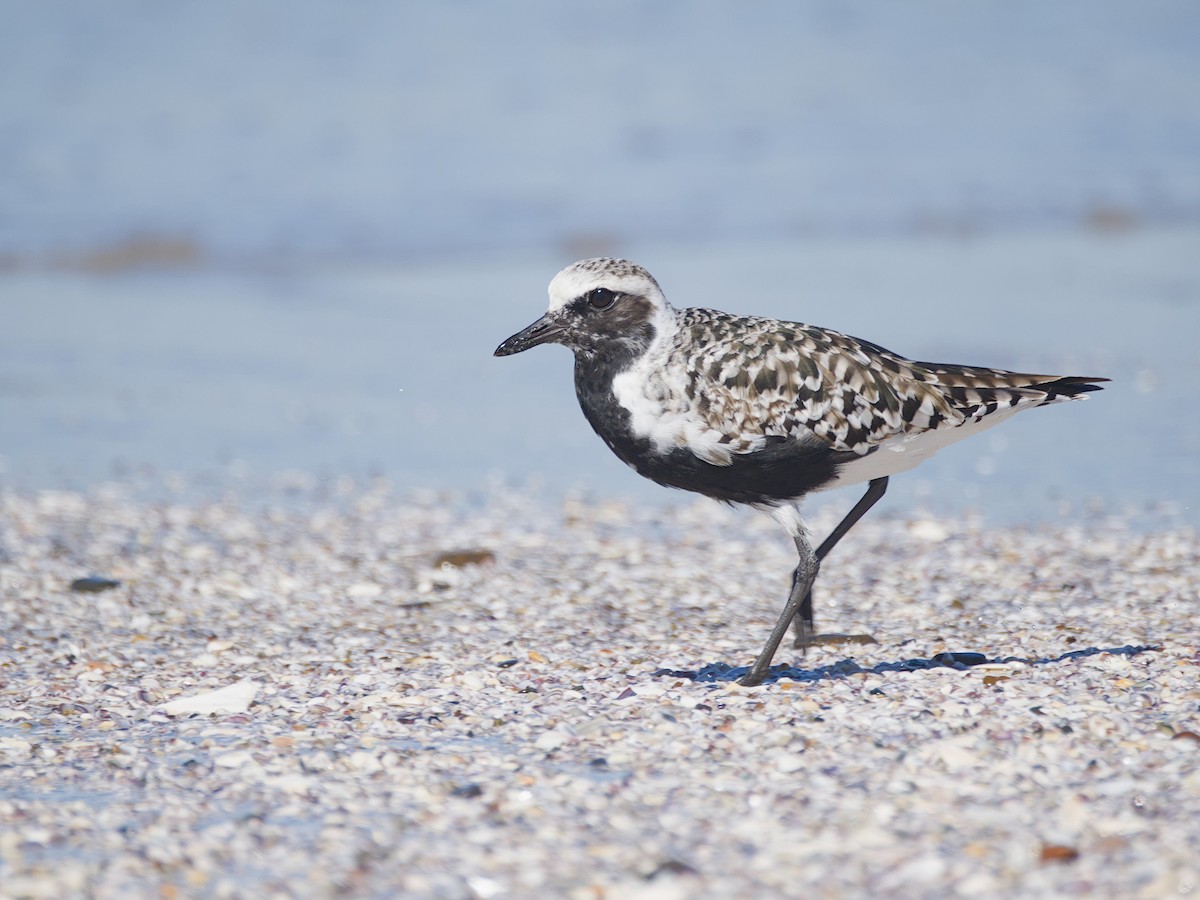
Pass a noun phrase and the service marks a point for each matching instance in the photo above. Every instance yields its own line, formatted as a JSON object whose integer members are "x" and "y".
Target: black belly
{"x": 782, "y": 470}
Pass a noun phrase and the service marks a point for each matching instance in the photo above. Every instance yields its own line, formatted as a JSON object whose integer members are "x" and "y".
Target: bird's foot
{"x": 761, "y": 669}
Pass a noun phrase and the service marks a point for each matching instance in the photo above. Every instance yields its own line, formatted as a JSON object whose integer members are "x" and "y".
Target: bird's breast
{"x": 654, "y": 427}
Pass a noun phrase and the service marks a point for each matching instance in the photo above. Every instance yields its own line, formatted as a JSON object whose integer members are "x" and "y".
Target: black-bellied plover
{"x": 760, "y": 411}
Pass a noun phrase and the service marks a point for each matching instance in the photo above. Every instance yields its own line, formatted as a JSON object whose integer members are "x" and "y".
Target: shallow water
{"x": 360, "y": 371}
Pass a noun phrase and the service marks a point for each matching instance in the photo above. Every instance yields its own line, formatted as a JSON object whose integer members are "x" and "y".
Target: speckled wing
{"x": 754, "y": 379}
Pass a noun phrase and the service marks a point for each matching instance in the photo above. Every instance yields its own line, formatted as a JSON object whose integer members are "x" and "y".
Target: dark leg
{"x": 802, "y": 579}
{"x": 803, "y": 625}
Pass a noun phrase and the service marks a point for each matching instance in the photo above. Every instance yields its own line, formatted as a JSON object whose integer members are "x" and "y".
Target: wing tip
{"x": 1072, "y": 386}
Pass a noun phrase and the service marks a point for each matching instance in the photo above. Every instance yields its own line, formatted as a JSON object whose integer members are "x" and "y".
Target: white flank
{"x": 904, "y": 452}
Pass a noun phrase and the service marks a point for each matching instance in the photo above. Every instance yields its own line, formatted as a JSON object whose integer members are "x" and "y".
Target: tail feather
{"x": 976, "y": 392}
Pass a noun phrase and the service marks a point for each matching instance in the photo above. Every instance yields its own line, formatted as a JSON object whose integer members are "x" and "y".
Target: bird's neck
{"x": 598, "y": 363}
{"x": 597, "y": 368}
{"x": 594, "y": 375}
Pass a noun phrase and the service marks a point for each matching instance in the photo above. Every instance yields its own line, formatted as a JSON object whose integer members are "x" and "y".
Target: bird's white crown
{"x": 618, "y": 275}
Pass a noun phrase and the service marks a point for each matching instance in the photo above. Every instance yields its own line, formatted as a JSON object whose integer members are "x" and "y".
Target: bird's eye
{"x": 601, "y": 298}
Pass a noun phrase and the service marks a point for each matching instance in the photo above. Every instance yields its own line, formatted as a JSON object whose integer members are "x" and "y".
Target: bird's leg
{"x": 798, "y": 611}
{"x": 803, "y": 625}
{"x": 802, "y": 580}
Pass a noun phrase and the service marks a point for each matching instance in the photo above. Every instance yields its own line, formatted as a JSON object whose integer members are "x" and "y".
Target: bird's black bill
{"x": 543, "y": 331}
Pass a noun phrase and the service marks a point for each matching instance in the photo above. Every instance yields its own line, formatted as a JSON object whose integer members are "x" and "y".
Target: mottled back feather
{"x": 752, "y": 379}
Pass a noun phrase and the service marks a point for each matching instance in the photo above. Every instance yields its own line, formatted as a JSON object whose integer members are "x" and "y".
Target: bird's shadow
{"x": 719, "y": 672}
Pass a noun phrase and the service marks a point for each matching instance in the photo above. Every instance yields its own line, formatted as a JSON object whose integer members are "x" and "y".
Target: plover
{"x": 760, "y": 411}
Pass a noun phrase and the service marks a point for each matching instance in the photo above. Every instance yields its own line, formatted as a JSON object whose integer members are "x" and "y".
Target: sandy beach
{"x": 487, "y": 697}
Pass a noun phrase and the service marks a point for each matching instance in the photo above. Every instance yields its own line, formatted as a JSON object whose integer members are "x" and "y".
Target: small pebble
{"x": 94, "y": 585}
{"x": 459, "y": 558}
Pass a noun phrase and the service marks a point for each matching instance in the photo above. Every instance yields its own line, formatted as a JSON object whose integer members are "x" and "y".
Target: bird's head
{"x": 597, "y": 306}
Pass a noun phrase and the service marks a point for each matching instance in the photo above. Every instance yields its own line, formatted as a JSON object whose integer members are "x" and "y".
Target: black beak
{"x": 544, "y": 331}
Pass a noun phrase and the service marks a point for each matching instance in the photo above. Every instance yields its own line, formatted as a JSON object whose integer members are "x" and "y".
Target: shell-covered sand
{"x": 432, "y": 696}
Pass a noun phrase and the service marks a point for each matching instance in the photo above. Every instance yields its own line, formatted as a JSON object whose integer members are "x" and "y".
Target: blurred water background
{"x": 245, "y": 239}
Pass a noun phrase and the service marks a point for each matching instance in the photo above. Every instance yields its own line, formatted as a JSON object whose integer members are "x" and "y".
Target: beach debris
{"x": 233, "y": 698}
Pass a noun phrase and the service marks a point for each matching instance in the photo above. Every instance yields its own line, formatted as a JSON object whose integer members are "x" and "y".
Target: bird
{"x": 761, "y": 412}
